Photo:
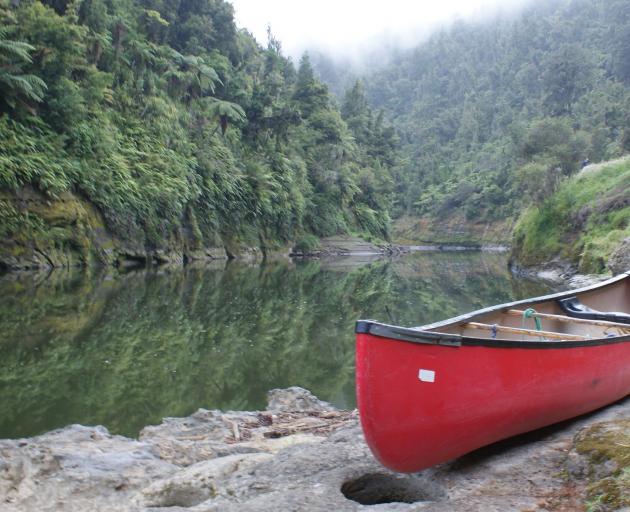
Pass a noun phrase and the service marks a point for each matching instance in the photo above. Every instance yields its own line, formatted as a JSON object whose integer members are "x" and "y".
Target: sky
{"x": 346, "y": 27}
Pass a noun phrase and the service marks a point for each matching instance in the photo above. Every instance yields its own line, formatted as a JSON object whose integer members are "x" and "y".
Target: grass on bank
{"x": 583, "y": 222}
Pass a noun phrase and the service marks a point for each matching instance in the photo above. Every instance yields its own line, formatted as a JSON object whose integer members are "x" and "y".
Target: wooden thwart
{"x": 568, "y": 319}
{"x": 527, "y": 332}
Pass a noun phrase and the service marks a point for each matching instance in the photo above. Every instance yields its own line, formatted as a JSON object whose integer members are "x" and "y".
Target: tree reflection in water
{"x": 125, "y": 350}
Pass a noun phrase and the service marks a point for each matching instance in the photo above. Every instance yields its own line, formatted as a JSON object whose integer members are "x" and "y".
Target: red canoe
{"x": 432, "y": 393}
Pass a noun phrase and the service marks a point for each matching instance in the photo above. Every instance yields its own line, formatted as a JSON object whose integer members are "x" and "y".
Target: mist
{"x": 351, "y": 29}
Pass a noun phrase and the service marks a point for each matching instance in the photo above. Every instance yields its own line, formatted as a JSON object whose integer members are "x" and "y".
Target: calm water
{"x": 126, "y": 350}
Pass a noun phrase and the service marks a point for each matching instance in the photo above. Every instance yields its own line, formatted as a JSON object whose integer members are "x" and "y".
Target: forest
{"x": 176, "y": 125}
{"x": 493, "y": 115}
{"x": 181, "y": 130}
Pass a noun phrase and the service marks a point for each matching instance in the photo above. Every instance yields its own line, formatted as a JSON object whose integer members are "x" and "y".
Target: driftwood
{"x": 287, "y": 423}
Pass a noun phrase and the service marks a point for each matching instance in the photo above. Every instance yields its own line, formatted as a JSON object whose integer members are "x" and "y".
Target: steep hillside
{"x": 175, "y": 130}
{"x": 586, "y": 222}
{"x": 492, "y": 115}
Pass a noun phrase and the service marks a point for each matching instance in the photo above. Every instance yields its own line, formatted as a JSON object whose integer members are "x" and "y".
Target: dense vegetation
{"x": 182, "y": 130}
{"x": 494, "y": 115}
{"x": 176, "y": 124}
{"x": 583, "y": 222}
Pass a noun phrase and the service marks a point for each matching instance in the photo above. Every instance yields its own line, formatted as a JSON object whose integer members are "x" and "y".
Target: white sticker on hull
{"x": 426, "y": 375}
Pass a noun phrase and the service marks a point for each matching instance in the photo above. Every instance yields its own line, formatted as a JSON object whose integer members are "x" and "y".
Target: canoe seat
{"x": 526, "y": 332}
{"x": 574, "y": 308}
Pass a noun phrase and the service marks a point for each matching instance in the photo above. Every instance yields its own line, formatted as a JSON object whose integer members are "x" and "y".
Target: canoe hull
{"x": 421, "y": 404}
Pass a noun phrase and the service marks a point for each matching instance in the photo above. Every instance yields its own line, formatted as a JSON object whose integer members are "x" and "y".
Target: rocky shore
{"x": 302, "y": 454}
{"x": 563, "y": 272}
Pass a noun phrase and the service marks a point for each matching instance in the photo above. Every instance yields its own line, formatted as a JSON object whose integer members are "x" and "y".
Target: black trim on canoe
{"x": 424, "y": 335}
{"x": 407, "y": 334}
{"x": 574, "y": 308}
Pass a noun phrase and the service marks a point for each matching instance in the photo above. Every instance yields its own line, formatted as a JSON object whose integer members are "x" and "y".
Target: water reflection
{"x": 126, "y": 350}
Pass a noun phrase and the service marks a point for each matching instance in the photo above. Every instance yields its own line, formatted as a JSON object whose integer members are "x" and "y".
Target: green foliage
{"x": 225, "y": 112}
{"x": 32, "y": 156}
{"x": 136, "y": 93}
{"x": 310, "y": 94}
{"x": 538, "y": 180}
{"x": 307, "y": 243}
{"x": 482, "y": 107}
{"x": 17, "y": 87}
{"x": 584, "y": 221}
{"x": 14, "y": 222}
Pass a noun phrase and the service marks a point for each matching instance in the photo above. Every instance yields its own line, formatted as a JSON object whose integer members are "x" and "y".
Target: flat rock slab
{"x": 299, "y": 455}
{"x": 348, "y": 245}
{"x": 76, "y": 468}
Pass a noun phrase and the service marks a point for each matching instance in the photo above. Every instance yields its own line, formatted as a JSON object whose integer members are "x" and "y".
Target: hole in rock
{"x": 378, "y": 488}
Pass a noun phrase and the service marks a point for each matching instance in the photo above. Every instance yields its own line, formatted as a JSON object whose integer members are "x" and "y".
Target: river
{"x": 126, "y": 349}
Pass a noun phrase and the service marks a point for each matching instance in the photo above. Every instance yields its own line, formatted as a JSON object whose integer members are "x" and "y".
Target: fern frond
{"x": 11, "y": 50}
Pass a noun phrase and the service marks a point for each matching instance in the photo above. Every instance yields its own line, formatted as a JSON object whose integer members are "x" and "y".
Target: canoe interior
{"x": 613, "y": 297}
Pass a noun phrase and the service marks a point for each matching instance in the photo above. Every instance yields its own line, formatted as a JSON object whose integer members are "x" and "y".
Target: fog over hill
{"x": 355, "y": 30}
{"x": 494, "y": 114}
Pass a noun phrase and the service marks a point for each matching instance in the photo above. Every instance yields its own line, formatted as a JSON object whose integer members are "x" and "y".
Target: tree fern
{"x": 15, "y": 86}
{"x": 225, "y": 112}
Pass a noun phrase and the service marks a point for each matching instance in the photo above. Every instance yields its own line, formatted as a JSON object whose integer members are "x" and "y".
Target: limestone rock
{"x": 200, "y": 436}
{"x": 620, "y": 259}
{"x": 206, "y": 254}
{"x": 63, "y": 231}
{"x": 295, "y": 399}
{"x": 198, "y": 482}
{"x": 75, "y": 468}
{"x": 299, "y": 455}
{"x": 583, "y": 280}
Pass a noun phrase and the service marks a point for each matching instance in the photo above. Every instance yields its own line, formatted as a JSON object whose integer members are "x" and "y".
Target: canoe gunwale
{"x": 413, "y": 335}
{"x": 407, "y": 334}
{"x": 423, "y": 335}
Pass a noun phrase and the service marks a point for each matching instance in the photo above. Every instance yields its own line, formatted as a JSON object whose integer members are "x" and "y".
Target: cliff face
{"x": 39, "y": 231}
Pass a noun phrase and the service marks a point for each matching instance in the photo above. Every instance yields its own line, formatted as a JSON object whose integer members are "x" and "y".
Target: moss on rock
{"x": 67, "y": 230}
{"x": 44, "y": 231}
{"x": 606, "y": 447}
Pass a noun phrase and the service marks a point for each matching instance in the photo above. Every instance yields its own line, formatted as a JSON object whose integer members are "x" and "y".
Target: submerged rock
{"x": 301, "y": 454}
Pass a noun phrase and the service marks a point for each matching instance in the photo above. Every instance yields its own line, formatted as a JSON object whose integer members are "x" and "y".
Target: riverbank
{"x": 335, "y": 246}
{"x": 304, "y": 454}
{"x": 584, "y": 226}
{"x": 42, "y": 232}
{"x": 558, "y": 272}
{"x": 68, "y": 231}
